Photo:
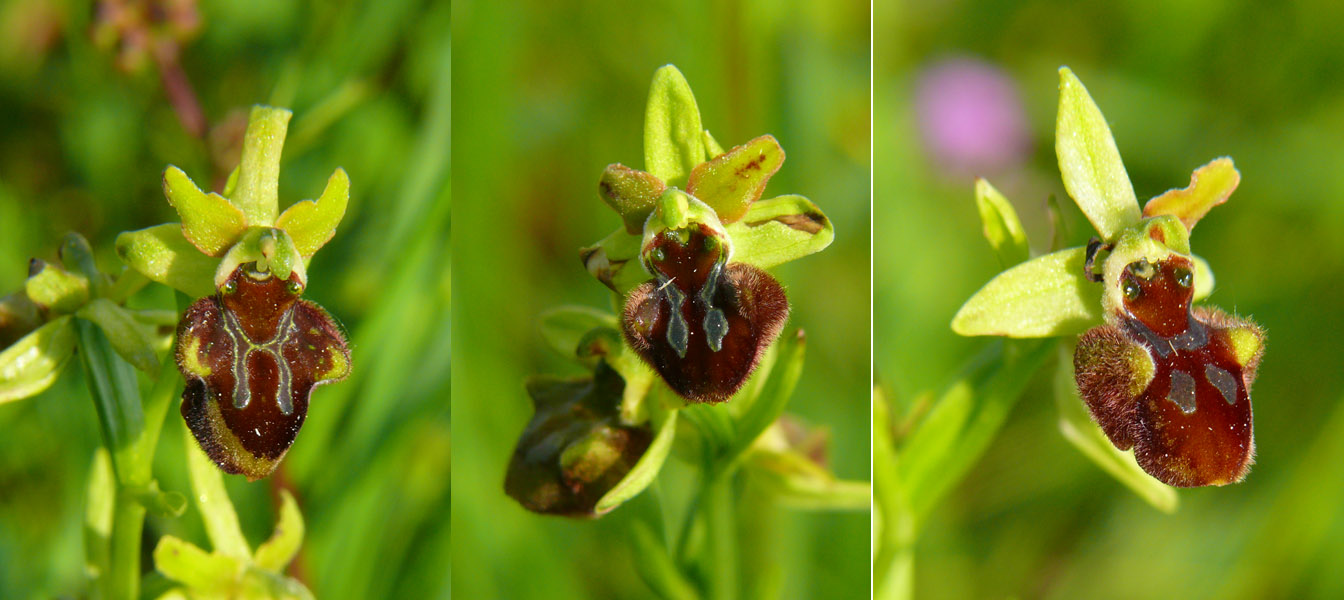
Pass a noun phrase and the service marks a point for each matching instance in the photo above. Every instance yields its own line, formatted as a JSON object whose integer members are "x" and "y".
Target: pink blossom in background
{"x": 971, "y": 117}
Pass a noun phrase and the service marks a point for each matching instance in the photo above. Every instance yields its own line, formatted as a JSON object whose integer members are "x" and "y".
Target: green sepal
{"x": 712, "y": 147}
{"x": 212, "y": 500}
{"x": 312, "y": 223}
{"x": 163, "y": 254}
{"x": 613, "y": 261}
{"x": 54, "y": 290}
{"x": 199, "y": 571}
{"x": 271, "y": 249}
{"x": 664, "y": 424}
{"x": 32, "y": 364}
{"x": 1210, "y": 185}
{"x": 673, "y": 137}
{"x": 1079, "y": 429}
{"x": 730, "y": 182}
{"x": 631, "y": 193}
{"x": 133, "y": 340}
{"x": 256, "y": 192}
{"x": 1001, "y": 225}
{"x": 779, "y": 230}
{"x": 1089, "y": 162}
{"x": 275, "y": 553}
{"x": 209, "y": 221}
{"x": 1045, "y": 296}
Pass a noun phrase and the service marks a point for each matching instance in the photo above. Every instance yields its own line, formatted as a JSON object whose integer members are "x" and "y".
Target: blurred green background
{"x": 84, "y": 139}
{"x": 1180, "y": 83}
{"x": 548, "y": 94}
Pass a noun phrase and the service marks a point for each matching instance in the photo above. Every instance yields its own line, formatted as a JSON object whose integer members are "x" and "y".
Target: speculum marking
{"x": 1182, "y": 391}
{"x": 1224, "y": 381}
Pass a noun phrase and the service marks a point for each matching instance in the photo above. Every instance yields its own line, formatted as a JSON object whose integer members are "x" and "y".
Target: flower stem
{"x": 116, "y": 398}
{"x": 720, "y": 553}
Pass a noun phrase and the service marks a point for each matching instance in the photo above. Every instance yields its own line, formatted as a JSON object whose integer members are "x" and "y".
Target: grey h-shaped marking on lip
{"x": 242, "y": 349}
{"x": 715, "y": 323}
{"x": 1195, "y": 336}
{"x": 678, "y": 335}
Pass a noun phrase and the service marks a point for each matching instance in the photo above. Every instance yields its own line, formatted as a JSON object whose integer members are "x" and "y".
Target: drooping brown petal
{"x": 251, "y": 356}
{"x": 703, "y": 323}
{"x": 575, "y": 449}
{"x": 1172, "y": 382}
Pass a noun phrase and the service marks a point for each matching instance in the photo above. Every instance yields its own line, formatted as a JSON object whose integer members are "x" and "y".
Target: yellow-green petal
{"x": 163, "y": 254}
{"x": 1089, "y": 162}
{"x": 1045, "y": 296}
{"x": 312, "y": 223}
{"x": 732, "y": 181}
{"x": 631, "y": 193}
{"x": 1210, "y": 185}
{"x": 209, "y": 221}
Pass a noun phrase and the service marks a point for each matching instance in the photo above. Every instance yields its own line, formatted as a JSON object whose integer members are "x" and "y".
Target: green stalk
{"x": 720, "y": 551}
{"x": 116, "y": 398}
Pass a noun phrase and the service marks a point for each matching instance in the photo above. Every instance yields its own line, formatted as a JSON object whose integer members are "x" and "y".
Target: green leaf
{"x": 115, "y": 391}
{"x": 1001, "y": 225}
{"x": 648, "y": 466}
{"x": 32, "y": 364}
{"x": 99, "y": 504}
{"x": 202, "y": 572}
{"x": 312, "y": 223}
{"x": 221, "y": 522}
{"x": 779, "y": 230}
{"x": 1089, "y": 162}
{"x": 1045, "y": 296}
{"x": 55, "y": 290}
{"x": 259, "y": 169}
{"x": 1079, "y": 429}
{"x": 209, "y": 221}
{"x": 631, "y": 193}
{"x": 965, "y": 420}
{"x": 131, "y": 339}
{"x": 615, "y": 261}
{"x": 563, "y": 327}
{"x": 275, "y": 553}
{"x": 673, "y": 138}
{"x": 657, "y": 567}
{"x": 1210, "y": 185}
{"x": 732, "y": 181}
{"x": 774, "y": 396}
{"x": 164, "y": 255}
